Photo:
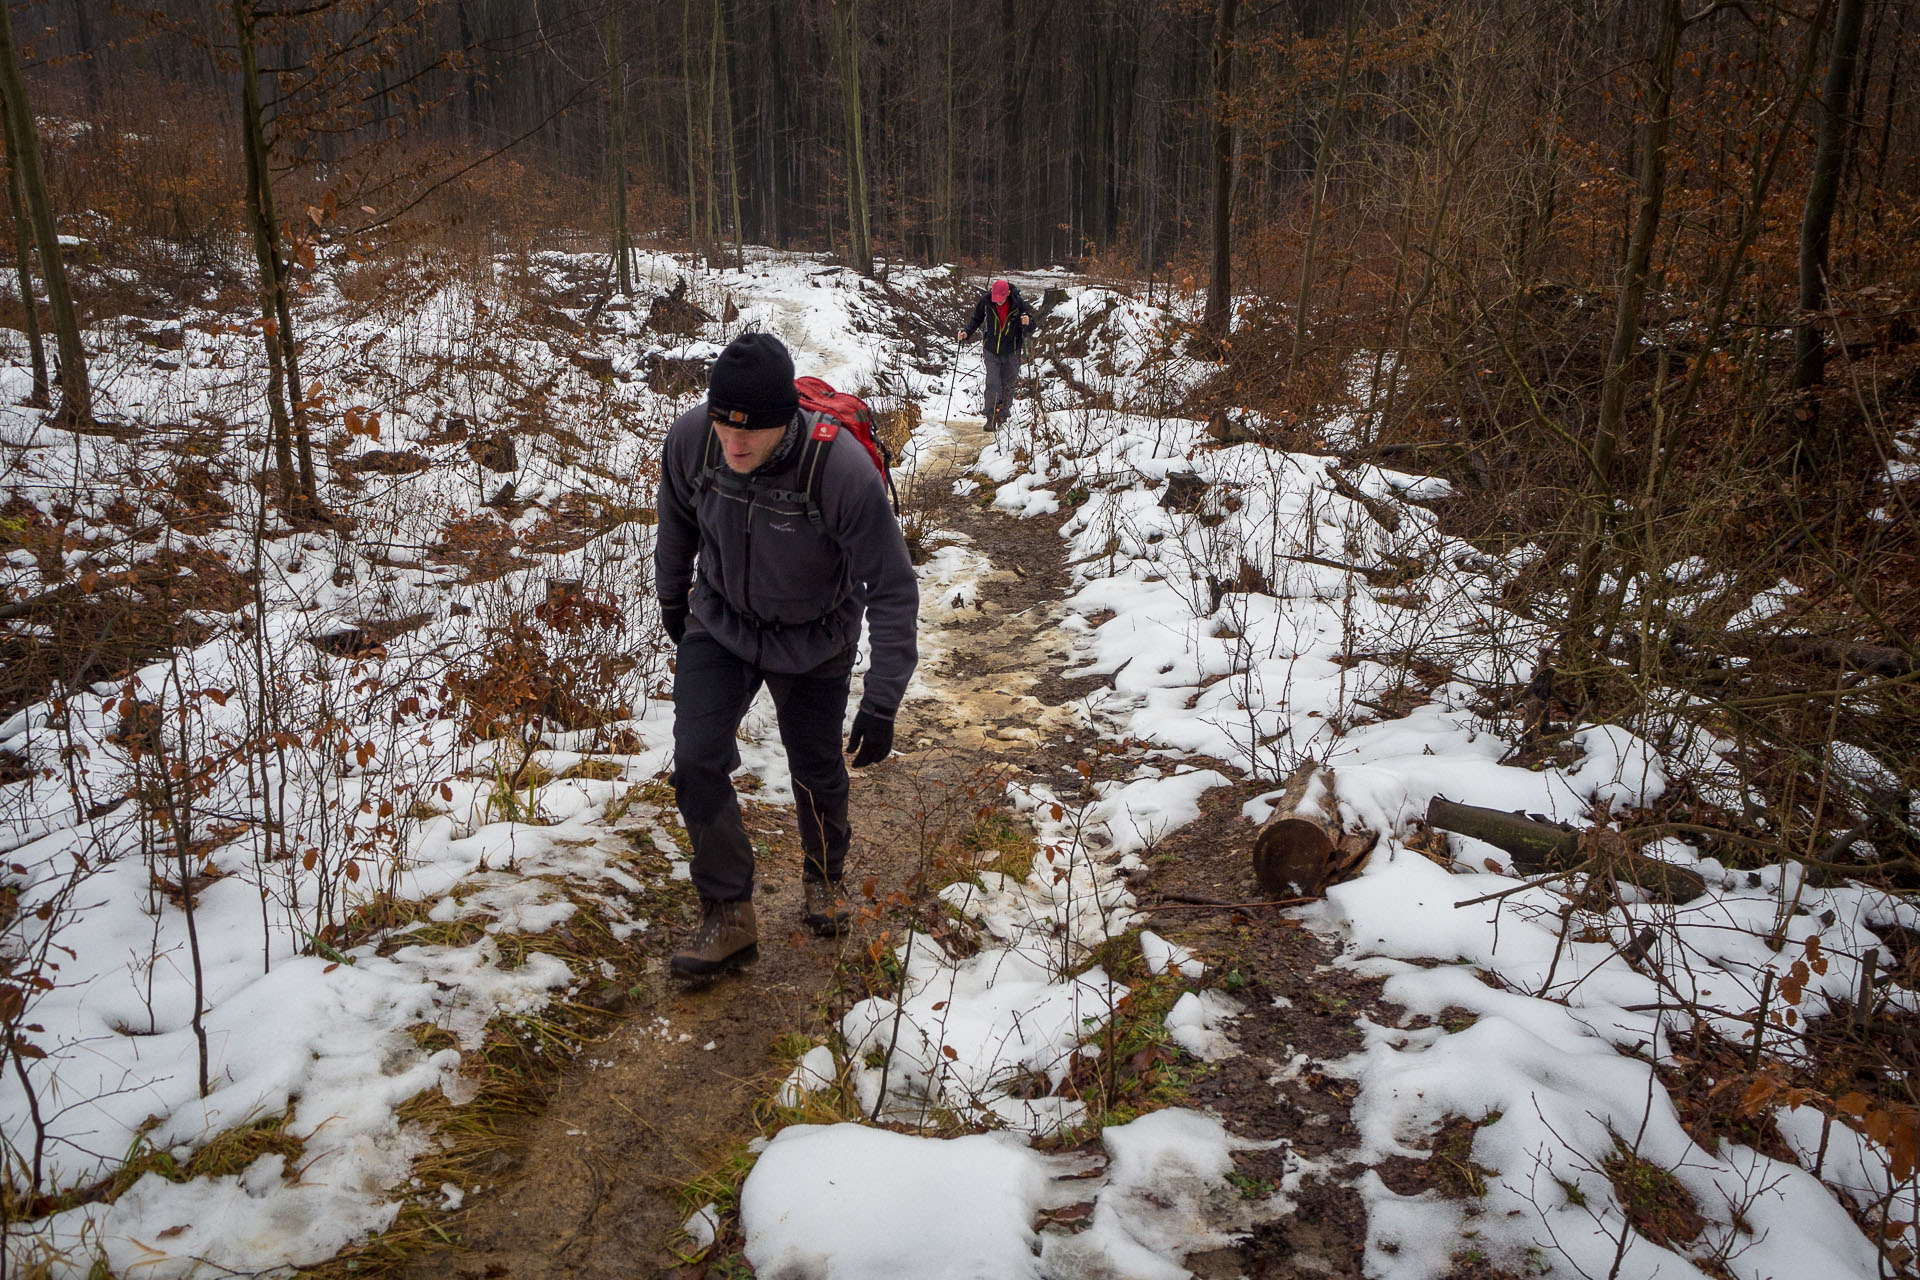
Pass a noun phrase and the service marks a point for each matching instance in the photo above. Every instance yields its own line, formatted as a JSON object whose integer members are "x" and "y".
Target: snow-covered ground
{"x": 1242, "y": 621}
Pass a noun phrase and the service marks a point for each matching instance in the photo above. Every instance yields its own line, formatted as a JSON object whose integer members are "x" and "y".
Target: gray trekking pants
{"x": 1003, "y": 374}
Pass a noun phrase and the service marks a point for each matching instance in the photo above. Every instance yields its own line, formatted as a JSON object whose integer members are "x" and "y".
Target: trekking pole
{"x": 1033, "y": 394}
{"x": 954, "y": 379}
{"x": 1033, "y": 389}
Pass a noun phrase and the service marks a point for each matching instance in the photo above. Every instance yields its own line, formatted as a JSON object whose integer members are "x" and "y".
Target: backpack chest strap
{"x": 811, "y": 471}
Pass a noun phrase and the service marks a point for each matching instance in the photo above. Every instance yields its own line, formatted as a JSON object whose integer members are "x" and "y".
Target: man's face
{"x": 746, "y": 448}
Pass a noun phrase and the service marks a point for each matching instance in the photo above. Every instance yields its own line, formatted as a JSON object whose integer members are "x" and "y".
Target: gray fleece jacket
{"x": 772, "y": 588}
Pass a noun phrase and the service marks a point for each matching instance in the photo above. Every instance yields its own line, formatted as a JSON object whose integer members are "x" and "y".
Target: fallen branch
{"x": 21, "y": 608}
{"x": 1513, "y": 889}
{"x": 1383, "y": 514}
{"x": 1880, "y": 659}
{"x": 1194, "y": 902}
{"x": 1374, "y": 577}
{"x": 1467, "y": 457}
{"x": 1535, "y": 844}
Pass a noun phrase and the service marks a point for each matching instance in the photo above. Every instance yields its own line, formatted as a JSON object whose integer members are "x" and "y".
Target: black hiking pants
{"x": 712, "y": 689}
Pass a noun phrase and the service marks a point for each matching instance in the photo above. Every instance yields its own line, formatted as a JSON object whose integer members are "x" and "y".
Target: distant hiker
{"x": 1006, "y": 317}
{"x": 781, "y": 568}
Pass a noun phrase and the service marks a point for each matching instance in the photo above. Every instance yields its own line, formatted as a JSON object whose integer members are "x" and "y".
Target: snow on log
{"x": 1300, "y": 849}
{"x": 1382, "y": 512}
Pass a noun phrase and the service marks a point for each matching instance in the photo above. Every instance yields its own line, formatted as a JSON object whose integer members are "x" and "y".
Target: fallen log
{"x": 1383, "y": 513}
{"x": 1300, "y": 849}
{"x": 1880, "y": 659}
{"x": 1858, "y": 655}
{"x": 1465, "y": 456}
{"x": 1536, "y": 845}
{"x": 1374, "y": 577}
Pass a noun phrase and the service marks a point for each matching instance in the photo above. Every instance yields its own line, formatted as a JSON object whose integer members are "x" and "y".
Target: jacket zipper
{"x": 746, "y": 582}
{"x": 1001, "y": 331}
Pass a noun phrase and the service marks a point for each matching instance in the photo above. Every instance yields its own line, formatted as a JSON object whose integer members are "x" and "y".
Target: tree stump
{"x": 1300, "y": 849}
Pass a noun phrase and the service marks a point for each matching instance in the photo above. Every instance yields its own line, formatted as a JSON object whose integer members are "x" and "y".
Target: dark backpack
{"x": 828, "y": 412}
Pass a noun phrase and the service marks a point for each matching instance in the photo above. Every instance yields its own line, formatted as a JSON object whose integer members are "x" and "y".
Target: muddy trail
{"x": 594, "y": 1185}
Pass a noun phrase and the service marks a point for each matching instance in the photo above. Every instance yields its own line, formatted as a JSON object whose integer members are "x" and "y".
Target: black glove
{"x": 871, "y": 739}
{"x": 674, "y": 618}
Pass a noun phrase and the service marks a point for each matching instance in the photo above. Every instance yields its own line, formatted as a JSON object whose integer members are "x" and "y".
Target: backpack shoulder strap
{"x": 709, "y": 460}
{"x": 821, "y": 434}
{"x": 886, "y": 470}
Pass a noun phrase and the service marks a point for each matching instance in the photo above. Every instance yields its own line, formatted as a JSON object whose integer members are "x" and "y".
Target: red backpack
{"x": 833, "y": 410}
{"x": 828, "y": 411}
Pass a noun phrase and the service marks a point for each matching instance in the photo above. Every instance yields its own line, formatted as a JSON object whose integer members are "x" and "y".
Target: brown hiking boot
{"x": 826, "y": 911}
{"x": 727, "y": 938}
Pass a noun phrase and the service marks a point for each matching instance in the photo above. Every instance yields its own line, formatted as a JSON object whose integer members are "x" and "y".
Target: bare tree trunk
{"x": 714, "y": 239}
{"x": 471, "y": 80}
{"x": 42, "y": 395}
{"x": 620, "y": 243}
{"x": 76, "y": 392}
{"x": 1891, "y": 97}
{"x": 1322, "y": 162}
{"x": 290, "y": 353}
{"x": 283, "y": 389}
{"x": 1004, "y": 204}
{"x": 726, "y": 122}
{"x": 846, "y": 15}
{"x": 89, "y": 56}
{"x": 1220, "y": 281}
{"x": 1577, "y": 642}
{"x": 948, "y": 242}
{"x": 178, "y": 816}
{"x": 1816, "y": 223}
{"x": 693, "y": 133}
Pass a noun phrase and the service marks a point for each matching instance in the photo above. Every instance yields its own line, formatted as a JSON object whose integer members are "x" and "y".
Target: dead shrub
{"x": 563, "y": 666}
{"x": 158, "y": 171}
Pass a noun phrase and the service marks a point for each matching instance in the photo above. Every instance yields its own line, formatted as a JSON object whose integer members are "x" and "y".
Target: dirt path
{"x": 595, "y": 1190}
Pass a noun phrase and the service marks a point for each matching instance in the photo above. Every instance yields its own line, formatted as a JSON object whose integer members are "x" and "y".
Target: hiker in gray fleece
{"x": 754, "y": 590}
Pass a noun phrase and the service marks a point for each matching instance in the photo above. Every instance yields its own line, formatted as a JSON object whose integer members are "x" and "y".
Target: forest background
{"x": 1589, "y": 247}
{"x": 1639, "y": 277}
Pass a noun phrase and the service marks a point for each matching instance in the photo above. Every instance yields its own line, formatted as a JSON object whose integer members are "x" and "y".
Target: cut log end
{"x": 1291, "y": 857}
{"x": 1301, "y": 849}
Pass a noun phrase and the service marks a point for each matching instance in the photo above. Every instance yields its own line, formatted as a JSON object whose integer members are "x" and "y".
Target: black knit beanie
{"x": 752, "y": 383}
